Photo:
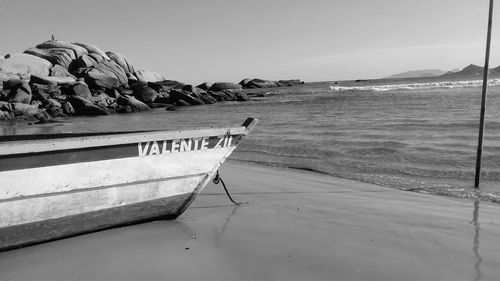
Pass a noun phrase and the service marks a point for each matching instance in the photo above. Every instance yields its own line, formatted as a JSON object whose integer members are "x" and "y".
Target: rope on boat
{"x": 218, "y": 179}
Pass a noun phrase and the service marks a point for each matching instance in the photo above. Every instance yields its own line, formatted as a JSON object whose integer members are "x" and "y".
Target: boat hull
{"x": 60, "y": 187}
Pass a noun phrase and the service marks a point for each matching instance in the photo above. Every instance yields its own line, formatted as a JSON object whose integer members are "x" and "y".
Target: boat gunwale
{"x": 111, "y": 139}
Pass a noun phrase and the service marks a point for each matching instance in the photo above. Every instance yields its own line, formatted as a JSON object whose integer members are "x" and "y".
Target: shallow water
{"x": 420, "y": 137}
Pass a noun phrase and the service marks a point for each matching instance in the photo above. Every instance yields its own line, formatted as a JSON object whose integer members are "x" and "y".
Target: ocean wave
{"x": 417, "y": 86}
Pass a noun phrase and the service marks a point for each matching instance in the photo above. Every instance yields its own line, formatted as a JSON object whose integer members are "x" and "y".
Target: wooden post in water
{"x": 483, "y": 98}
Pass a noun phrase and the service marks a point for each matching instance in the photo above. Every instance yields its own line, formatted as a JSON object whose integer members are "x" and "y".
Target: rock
{"x": 59, "y": 71}
{"x": 12, "y": 84}
{"x": 25, "y": 64}
{"x": 5, "y": 106}
{"x": 91, "y": 110}
{"x": 102, "y": 100}
{"x": 56, "y": 112}
{"x": 240, "y": 96}
{"x": 78, "y": 50}
{"x": 182, "y": 103}
{"x": 77, "y": 89}
{"x": 260, "y": 83}
{"x": 52, "y": 103}
{"x": 291, "y": 82}
{"x": 145, "y": 94}
{"x": 132, "y": 102}
{"x": 179, "y": 95}
{"x": 106, "y": 74}
{"x": 195, "y": 90}
{"x": 7, "y": 76}
{"x": 27, "y": 110}
{"x": 97, "y": 57}
{"x": 221, "y": 86}
{"x": 219, "y": 96}
{"x": 62, "y": 57}
{"x": 124, "y": 109}
{"x": 85, "y": 62}
{"x": 122, "y": 61}
{"x": 43, "y": 92}
{"x": 205, "y": 86}
{"x": 208, "y": 99}
{"x": 78, "y": 102}
{"x": 4, "y": 115}
{"x": 68, "y": 108}
{"x": 20, "y": 94}
{"x": 92, "y": 49}
{"x": 137, "y": 84}
{"x": 149, "y": 76}
{"x": 244, "y": 82}
{"x": 51, "y": 80}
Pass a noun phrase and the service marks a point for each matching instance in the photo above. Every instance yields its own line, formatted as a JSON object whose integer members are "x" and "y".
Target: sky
{"x": 194, "y": 41}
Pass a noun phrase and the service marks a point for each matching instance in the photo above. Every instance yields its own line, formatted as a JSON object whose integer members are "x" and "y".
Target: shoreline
{"x": 295, "y": 225}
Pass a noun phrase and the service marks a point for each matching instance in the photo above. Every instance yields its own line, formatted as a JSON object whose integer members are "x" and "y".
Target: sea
{"x": 416, "y": 134}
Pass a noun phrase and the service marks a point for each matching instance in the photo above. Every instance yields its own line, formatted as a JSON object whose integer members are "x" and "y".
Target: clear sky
{"x": 227, "y": 40}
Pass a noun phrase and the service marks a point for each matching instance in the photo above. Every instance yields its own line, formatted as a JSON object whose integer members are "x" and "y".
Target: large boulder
{"x": 78, "y": 50}
{"x": 132, "y": 102}
{"x": 25, "y": 64}
{"x": 60, "y": 56}
{"x": 59, "y": 71}
{"x": 106, "y": 74}
{"x": 52, "y": 80}
{"x": 77, "y": 89}
{"x": 260, "y": 83}
{"x": 7, "y": 76}
{"x": 205, "y": 86}
{"x": 20, "y": 93}
{"x": 121, "y": 61}
{"x": 222, "y": 86}
{"x": 149, "y": 76}
{"x": 28, "y": 110}
{"x": 92, "y": 49}
{"x": 145, "y": 94}
{"x": 190, "y": 98}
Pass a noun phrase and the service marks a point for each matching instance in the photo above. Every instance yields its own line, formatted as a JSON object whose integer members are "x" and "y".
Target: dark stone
{"x": 91, "y": 110}
{"x": 155, "y": 86}
{"x": 53, "y": 80}
{"x": 145, "y": 94}
{"x": 124, "y": 109}
{"x": 52, "y": 103}
{"x": 78, "y": 102}
{"x": 221, "y": 86}
{"x": 244, "y": 82}
{"x": 242, "y": 97}
{"x": 22, "y": 93}
{"x": 102, "y": 100}
{"x": 205, "y": 86}
{"x": 208, "y": 99}
{"x": 182, "y": 103}
{"x": 68, "y": 108}
{"x": 219, "y": 96}
{"x": 137, "y": 84}
{"x": 177, "y": 95}
{"x": 85, "y": 61}
{"x": 194, "y": 90}
{"x": 12, "y": 84}
{"x": 77, "y": 89}
{"x": 56, "y": 112}
{"x": 133, "y": 102}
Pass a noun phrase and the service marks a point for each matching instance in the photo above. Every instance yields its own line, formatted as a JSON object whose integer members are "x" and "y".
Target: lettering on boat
{"x": 184, "y": 145}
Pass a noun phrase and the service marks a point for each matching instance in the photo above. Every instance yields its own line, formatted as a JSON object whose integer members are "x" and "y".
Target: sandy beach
{"x": 295, "y": 225}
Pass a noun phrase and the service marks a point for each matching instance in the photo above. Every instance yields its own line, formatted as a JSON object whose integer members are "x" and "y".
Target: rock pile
{"x": 60, "y": 79}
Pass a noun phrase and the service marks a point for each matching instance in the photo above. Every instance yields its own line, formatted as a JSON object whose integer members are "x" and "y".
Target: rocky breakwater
{"x": 61, "y": 79}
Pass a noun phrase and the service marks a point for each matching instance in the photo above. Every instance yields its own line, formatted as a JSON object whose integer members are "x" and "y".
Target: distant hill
{"x": 418, "y": 73}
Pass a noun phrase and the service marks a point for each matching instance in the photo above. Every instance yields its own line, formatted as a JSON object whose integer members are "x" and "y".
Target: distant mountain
{"x": 418, "y": 73}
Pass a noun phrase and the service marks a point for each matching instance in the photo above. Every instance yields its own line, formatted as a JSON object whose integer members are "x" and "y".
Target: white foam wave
{"x": 416, "y": 86}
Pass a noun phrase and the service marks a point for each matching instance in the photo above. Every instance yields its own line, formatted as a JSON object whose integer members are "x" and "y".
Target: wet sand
{"x": 296, "y": 225}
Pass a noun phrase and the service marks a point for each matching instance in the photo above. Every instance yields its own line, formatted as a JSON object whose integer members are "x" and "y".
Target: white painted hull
{"x": 146, "y": 176}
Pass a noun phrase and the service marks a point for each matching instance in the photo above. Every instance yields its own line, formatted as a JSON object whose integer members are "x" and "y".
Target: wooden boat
{"x": 55, "y": 186}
